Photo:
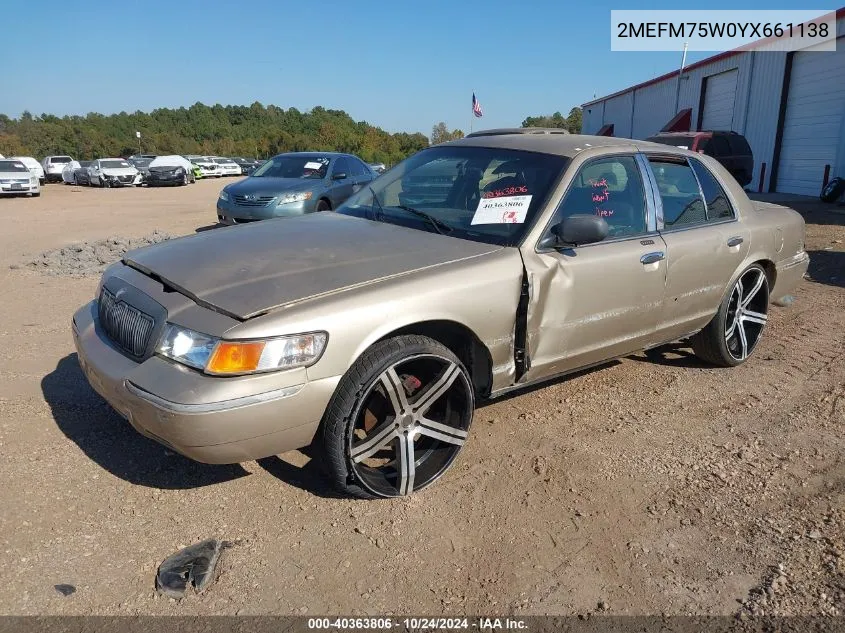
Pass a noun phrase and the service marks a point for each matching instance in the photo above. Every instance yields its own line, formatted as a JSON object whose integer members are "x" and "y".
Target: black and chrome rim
{"x": 411, "y": 424}
{"x": 747, "y": 313}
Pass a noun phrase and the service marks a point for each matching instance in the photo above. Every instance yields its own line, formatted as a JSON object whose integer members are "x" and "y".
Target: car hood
{"x": 119, "y": 171}
{"x": 271, "y": 186}
{"x": 17, "y": 175}
{"x": 249, "y": 270}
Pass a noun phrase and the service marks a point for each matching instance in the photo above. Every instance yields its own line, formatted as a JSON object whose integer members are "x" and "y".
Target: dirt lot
{"x": 652, "y": 485}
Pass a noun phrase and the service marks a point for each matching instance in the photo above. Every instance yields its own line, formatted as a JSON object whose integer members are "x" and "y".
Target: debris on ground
{"x": 194, "y": 565}
{"x": 65, "y": 590}
{"x": 89, "y": 258}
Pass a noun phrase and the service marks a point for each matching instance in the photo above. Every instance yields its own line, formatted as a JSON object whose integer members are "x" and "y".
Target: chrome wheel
{"x": 747, "y": 313}
{"x": 412, "y": 423}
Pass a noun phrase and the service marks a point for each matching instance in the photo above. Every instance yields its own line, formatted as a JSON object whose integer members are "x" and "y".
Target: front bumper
{"x": 158, "y": 181}
{"x": 231, "y": 213}
{"x": 207, "y": 430}
{"x": 7, "y": 190}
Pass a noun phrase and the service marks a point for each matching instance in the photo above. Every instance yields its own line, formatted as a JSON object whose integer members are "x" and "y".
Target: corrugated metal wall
{"x": 654, "y": 106}
{"x": 761, "y": 118}
{"x": 641, "y": 112}
{"x": 618, "y": 112}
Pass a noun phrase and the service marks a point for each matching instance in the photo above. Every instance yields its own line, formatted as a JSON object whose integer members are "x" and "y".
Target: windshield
{"x": 60, "y": 159}
{"x": 224, "y": 161}
{"x": 141, "y": 162}
{"x": 476, "y": 193}
{"x": 288, "y": 166}
{"x": 683, "y": 142}
{"x": 13, "y": 166}
{"x": 113, "y": 164}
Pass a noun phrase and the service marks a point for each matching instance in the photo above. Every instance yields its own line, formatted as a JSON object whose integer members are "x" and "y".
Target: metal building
{"x": 790, "y": 107}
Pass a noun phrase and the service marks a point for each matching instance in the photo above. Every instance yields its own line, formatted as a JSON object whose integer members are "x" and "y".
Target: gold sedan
{"x": 471, "y": 269}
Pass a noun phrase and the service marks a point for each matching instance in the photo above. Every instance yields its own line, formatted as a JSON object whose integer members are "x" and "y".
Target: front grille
{"x": 128, "y": 327}
{"x": 126, "y": 178}
{"x": 15, "y": 181}
{"x": 252, "y": 201}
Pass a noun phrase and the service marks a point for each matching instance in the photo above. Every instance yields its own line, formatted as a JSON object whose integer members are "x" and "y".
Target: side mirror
{"x": 577, "y": 230}
{"x": 339, "y": 175}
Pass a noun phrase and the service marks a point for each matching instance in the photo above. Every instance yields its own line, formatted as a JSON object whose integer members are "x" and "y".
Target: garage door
{"x": 719, "y": 97}
{"x": 813, "y": 122}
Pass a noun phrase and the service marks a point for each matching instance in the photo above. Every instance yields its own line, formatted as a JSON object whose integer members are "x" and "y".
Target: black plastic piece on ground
{"x": 195, "y": 564}
{"x": 65, "y": 590}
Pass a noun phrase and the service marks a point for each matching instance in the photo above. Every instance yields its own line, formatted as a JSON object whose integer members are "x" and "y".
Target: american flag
{"x": 476, "y": 107}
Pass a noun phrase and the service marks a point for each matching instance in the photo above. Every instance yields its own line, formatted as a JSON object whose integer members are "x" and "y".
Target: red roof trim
{"x": 840, "y": 13}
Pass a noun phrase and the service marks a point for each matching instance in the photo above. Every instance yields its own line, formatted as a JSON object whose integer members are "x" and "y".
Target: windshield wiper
{"x": 380, "y": 216}
{"x": 438, "y": 225}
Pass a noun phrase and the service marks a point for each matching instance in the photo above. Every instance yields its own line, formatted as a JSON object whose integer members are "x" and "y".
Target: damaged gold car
{"x": 471, "y": 269}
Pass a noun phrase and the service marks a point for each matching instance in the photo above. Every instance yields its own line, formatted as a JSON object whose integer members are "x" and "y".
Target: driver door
{"x": 594, "y": 302}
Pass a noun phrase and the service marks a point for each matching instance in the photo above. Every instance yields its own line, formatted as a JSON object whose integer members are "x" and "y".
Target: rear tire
{"x": 397, "y": 420}
{"x": 730, "y": 338}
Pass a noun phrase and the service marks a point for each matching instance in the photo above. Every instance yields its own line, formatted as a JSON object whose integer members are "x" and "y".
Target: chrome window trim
{"x": 700, "y": 188}
{"x": 654, "y": 205}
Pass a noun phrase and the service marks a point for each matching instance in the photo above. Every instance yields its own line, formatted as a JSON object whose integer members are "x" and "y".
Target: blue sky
{"x": 400, "y": 65}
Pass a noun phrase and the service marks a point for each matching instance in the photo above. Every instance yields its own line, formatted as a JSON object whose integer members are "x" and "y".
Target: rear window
{"x": 717, "y": 146}
{"x": 738, "y": 144}
{"x": 60, "y": 159}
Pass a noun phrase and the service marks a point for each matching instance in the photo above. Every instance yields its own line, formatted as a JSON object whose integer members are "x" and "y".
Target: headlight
{"x": 221, "y": 357}
{"x": 33, "y": 180}
{"x": 186, "y": 346}
{"x": 287, "y": 198}
{"x": 224, "y": 196}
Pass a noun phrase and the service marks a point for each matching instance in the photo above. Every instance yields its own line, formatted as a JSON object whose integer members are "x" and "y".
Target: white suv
{"x": 53, "y": 166}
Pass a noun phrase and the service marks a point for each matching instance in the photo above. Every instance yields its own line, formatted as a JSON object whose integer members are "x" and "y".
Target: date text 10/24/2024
{"x": 418, "y": 624}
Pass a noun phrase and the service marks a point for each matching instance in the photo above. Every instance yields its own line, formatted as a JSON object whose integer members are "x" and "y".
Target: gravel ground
{"x": 653, "y": 485}
{"x": 89, "y": 258}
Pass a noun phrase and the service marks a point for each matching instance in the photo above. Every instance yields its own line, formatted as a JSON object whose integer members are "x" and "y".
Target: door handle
{"x": 735, "y": 241}
{"x": 651, "y": 258}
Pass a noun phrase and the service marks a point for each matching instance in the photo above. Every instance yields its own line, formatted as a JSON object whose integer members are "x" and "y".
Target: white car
{"x": 208, "y": 167}
{"x": 113, "y": 172}
{"x": 226, "y": 166}
{"x": 53, "y": 166}
{"x": 17, "y": 180}
{"x": 68, "y": 171}
{"x": 33, "y": 166}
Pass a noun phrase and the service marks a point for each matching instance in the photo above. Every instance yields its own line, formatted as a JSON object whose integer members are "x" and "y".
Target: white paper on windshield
{"x": 313, "y": 165}
{"x": 503, "y": 210}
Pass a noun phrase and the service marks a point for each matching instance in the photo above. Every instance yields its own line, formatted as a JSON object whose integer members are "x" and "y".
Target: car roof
{"x": 557, "y": 144}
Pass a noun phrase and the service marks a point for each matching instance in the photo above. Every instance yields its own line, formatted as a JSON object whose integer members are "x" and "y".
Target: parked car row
{"x": 66, "y": 169}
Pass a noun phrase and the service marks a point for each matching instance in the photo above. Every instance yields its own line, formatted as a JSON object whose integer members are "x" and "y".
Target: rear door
{"x": 705, "y": 244}
{"x": 342, "y": 183}
{"x": 598, "y": 301}
{"x": 361, "y": 174}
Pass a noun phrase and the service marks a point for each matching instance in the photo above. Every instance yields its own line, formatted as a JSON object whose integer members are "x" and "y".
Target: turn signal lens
{"x": 235, "y": 358}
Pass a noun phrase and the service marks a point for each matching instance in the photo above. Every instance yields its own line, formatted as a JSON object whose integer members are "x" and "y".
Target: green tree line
{"x": 572, "y": 123}
{"x": 254, "y": 131}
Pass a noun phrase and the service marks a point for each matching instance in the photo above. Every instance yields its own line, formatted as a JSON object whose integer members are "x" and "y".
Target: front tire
{"x": 397, "y": 420}
{"x": 733, "y": 334}
{"x": 323, "y": 205}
